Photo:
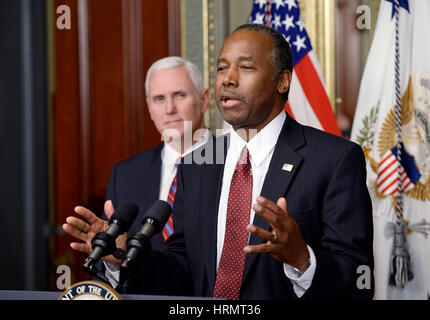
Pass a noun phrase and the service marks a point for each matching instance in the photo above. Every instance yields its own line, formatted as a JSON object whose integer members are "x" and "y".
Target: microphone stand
{"x": 138, "y": 243}
{"x": 124, "y": 281}
{"x": 92, "y": 270}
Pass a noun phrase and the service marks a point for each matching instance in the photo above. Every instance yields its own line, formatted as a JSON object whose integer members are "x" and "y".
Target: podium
{"x": 52, "y": 295}
{"x": 165, "y": 307}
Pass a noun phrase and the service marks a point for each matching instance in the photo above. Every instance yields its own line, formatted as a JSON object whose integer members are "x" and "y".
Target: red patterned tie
{"x": 168, "y": 227}
{"x": 230, "y": 270}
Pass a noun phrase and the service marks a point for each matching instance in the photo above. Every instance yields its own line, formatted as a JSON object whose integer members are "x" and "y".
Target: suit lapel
{"x": 150, "y": 177}
{"x": 277, "y": 180}
{"x": 211, "y": 184}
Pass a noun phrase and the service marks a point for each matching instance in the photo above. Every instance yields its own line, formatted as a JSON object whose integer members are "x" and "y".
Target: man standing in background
{"x": 177, "y": 101}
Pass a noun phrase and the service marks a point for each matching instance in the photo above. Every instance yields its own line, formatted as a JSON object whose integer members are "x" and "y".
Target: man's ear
{"x": 205, "y": 98}
{"x": 148, "y": 103}
{"x": 284, "y": 81}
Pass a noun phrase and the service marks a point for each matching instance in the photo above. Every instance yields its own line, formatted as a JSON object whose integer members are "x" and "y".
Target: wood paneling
{"x": 174, "y": 18}
{"x": 133, "y": 74}
{"x": 155, "y": 46}
{"x": 101, "y": 116}
{"x": 67, "y": 144}
{"x": 348, "y": 57}
{"x": 107, "y": 95}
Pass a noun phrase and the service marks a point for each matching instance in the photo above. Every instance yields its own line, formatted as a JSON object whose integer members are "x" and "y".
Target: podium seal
{"x": 90, "y": 290}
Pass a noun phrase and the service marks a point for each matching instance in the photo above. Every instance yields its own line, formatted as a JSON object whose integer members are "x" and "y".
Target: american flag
{"x": 395, "y": 84}
{"x": 387, "y": 181}
{"x": 308, "y": 102}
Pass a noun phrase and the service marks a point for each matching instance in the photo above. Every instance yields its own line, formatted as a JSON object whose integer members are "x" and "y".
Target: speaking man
{"x": 287, "y": 215}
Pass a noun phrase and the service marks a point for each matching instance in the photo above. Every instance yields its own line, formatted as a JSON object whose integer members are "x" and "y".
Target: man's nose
{"x": 231, "y": 78}
{"x": 170, "y": 106}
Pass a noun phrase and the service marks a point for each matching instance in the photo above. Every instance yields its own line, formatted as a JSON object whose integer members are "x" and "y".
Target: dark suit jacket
{"x": 137, "y": 179}
{"x": 327, "y": 196}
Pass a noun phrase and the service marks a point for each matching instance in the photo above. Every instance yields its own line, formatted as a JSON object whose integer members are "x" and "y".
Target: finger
{"x": 267, "y": 213}
{"x": 263, "y": 247}
{"x": 86, "y": 214}
{"x": 282, "y": 203}
{"x": 79, "y": 224}
{"x": 259, "y": 232}
{"x": 112, "y": 259}
{"x": 109, "y": 209}
{"x": 81, "y": 247}
{"x": 121, "y": 242}
{"x": 273, "y": 206}
{"x": 74, "y": 232}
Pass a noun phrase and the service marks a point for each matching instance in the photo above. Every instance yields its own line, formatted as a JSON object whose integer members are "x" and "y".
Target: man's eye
{"x": 246, "y": 67}
{"x": 221, "y": 68}
{"x": 158, "y": 99}
{"x": 180, "y": 95}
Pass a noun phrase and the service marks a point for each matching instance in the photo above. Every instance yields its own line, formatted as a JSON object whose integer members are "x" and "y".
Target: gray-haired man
{"x": 177, "y": 101}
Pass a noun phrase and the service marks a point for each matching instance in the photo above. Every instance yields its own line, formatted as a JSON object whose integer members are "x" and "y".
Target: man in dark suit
{"x": 175, "y": 97}
{"x": 177, "y": 101}
{"x": 224, "y": 247}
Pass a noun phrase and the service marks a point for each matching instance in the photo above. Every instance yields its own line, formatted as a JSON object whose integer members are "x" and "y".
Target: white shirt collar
{"x": 262, "y": 143}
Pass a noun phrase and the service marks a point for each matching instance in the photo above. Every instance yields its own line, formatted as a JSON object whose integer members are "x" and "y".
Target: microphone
{"x": 104, "y": 242}
{"x": 153, "y": 222}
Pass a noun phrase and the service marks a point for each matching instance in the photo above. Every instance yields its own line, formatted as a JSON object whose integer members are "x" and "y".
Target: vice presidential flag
{"x": 308, "y": 102}
{"x": 392, "y": 124}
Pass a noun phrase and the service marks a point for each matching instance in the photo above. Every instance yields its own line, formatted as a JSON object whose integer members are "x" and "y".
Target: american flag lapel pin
{"x": 287, "y": 167}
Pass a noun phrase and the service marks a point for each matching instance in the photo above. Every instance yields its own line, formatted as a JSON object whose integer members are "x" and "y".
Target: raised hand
{"x": 285, "y": 242}
{"x": 87, "y": 226}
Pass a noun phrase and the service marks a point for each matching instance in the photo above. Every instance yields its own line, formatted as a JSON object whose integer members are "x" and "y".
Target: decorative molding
{"x": 193, "y": 21}
{"x": 198, "y": 45}
{"x": 209, "y": 58}
{"x": 133, "y": 75}
{"x": 175, "y": 32}
{"x": 215, "y": 30}
{"x": 319, "y": 18}
{"x": 84, "y": 98}
{"x": 183, "y": 5}
{"x": 205, "y": 27}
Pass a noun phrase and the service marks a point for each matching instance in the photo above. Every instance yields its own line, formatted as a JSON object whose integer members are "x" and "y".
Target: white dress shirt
{"x": 260, "y": 147}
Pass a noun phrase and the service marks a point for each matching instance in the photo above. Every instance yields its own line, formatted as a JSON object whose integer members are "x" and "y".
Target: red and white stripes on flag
{"x": 392, "y": 110}
{"x": 308, "y": 102}
{"x": 387, "y": 179}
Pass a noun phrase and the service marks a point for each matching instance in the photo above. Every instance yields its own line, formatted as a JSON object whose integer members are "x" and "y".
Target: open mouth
{"x": 228, "y": 101}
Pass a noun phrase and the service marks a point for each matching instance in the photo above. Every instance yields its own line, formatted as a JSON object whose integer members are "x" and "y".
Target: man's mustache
{"x": 230, "y": 95}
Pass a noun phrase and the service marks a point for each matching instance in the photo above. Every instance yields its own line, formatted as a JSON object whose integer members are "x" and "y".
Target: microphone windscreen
{"x": 126, "y": 213}
{"x": 160, "y": 211}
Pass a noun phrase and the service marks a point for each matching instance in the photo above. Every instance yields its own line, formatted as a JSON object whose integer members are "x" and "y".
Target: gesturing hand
{"x": 285, "y": 243}
{"x": 86, "y": 227}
